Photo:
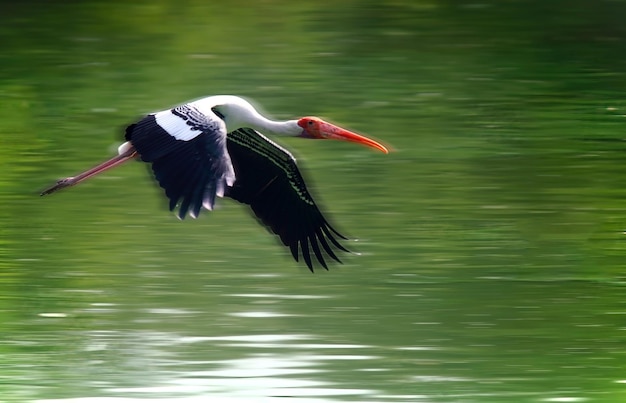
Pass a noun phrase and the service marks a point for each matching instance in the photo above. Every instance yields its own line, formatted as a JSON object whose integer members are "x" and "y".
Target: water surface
{"x": 490, "y": 242}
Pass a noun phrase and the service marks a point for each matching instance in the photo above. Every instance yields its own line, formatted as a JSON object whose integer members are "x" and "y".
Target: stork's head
{"x": 316, "y": 128}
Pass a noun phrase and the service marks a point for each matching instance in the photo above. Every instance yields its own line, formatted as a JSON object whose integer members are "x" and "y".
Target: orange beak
{"x": 316, "y": 128}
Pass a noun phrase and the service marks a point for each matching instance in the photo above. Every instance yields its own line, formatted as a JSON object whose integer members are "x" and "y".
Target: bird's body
{"x": 211, "y": 147}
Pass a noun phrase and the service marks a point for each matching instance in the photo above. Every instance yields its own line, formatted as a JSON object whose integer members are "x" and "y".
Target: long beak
{"x": 316, "y": 128}
{"x": 331, "y": 131}
{"x": 73, "y": 180}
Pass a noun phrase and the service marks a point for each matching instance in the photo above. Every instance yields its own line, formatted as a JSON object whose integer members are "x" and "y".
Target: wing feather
{"x": 269, "y": 180}
{"x": 188, "y": 153}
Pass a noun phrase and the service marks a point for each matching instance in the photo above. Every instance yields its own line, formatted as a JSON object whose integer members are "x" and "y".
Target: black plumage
{"x": 193, "y": 171}
{"x": 269, "y": 180}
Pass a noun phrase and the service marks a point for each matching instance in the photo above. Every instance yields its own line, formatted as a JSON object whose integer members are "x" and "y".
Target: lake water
{"x": 490, "y": 260}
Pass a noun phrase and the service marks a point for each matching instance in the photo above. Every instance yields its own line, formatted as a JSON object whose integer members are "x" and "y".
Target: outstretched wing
{"x": 188, "y": 153}
{"x": 270, "y": 182}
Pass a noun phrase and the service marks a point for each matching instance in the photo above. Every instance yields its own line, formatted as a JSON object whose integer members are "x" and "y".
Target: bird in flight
{"x": 213, "y": 146}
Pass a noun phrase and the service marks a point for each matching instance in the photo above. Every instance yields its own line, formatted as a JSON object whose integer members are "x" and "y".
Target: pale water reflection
{"x": 282, "y": 375}
{"x": 306, "y": 367}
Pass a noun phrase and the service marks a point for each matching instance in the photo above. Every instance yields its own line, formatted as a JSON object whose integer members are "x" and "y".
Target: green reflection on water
{"x": 491, "y": 240}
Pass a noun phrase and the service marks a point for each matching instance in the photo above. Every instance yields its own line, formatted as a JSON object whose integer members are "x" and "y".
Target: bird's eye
{"x": 310, "y": 122}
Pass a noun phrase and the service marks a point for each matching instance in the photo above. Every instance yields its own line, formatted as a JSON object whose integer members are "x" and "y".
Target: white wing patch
{"x": 185, "y": 122}
{"x": 175, "y": 126}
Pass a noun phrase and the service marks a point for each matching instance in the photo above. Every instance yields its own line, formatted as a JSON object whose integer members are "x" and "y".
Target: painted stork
{"x": 211, "y": 147}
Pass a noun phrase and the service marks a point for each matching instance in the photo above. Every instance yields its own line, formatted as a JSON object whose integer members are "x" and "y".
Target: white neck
{"x": 240, "y": 113}
{"x": 266, "y": 126}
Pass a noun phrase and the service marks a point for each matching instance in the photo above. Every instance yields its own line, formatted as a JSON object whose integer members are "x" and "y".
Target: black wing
{"x": 270, "y": 182}
{"x": 188, "y": 155}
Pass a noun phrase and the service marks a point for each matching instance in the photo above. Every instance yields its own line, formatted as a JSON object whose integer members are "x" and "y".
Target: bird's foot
{"x": 63, "y": 183}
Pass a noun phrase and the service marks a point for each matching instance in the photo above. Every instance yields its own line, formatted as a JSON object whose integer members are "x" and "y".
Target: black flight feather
{"x": 193, "y": 170}
{"x": 268, "y": 179}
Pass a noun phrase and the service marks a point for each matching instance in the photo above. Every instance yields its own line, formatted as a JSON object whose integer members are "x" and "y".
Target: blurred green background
{"x": 491, "y": 242}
